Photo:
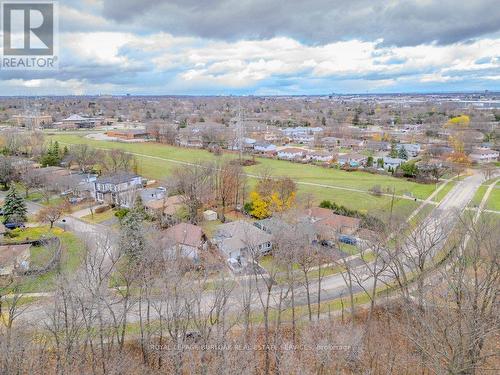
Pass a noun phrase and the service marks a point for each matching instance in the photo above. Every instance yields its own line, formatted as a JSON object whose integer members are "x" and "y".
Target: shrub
{"x": 121, "y": 213}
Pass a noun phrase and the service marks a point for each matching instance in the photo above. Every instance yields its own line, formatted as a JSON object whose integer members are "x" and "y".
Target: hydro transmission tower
{"x": 240, "y": 132}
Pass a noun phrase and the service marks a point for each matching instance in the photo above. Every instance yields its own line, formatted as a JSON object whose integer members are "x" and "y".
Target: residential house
{"x": 184, "y": 239}
{"x": 329, "y": 142}
{"x": 412, "y": 150}
{"x": 165, "y": 207}
{"x": 248, "y": 144}
{"x": 152, "y": 194}
{"x": 378, "y": 146}
{"x": 354, "y": 144}
{"x": 291, "y": 153}
{"x": 118, "y": 189}
{"x": 352, "y": 160}
{"x": 264, "y": 147}
{"x": 192, "y": 141}
{"x": 13, "y": 257}
{"x": 277, "y": 227}
{"x": 392, "y": 163}
{"x": 78, "y": 185}
{"x": 301, "y": 134}
{"x": 328, "y": 225}
{"x": 319, "y": 156}
{"x": 484, "y": 155}
{"x": 240, "y": 239}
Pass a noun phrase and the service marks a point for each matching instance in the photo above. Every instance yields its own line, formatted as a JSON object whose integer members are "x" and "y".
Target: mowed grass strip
{"x": 494, "y": 199}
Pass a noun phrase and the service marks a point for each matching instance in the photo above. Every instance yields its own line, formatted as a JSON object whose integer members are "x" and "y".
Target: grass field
{"x": 478, "y": 196}
{"x": 493, "y": 202}
{"x": 153, "y": 163}
{"x": 100, "y": 217}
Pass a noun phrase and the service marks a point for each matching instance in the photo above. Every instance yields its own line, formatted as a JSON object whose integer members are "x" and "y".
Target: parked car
{"x": 14, "y": 225}
{"x": 348, "y": 240}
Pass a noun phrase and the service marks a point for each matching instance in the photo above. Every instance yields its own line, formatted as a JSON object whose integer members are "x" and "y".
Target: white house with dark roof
{"x": 319, "y": 156}
{"x": 392, "y": 162}
{"x": 291, "y": 153}
{"x": 118, "y": 189}
{"x": 264, "y": 147}
{"x": 484, "y": 155}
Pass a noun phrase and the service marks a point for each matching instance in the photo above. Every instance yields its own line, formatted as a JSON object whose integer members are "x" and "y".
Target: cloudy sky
{"x": 205, "y": 47}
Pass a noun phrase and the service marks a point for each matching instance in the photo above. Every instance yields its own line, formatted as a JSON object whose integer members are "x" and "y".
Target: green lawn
{"x": 478, "y": 196}
{"x": 349, "y": 249}
{"x": 493, "y": 202}
{"x": 444, "y": 191}
{"x": 160, "y": 169}
{"x": 494, "y": 199}
{"x": 99, "y": 217}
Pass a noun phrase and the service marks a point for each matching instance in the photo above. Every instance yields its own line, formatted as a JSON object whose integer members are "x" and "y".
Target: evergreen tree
{"x": 402, "y": 154}
{"x": 369, "y": 161}
{"x": 14, "y": 208}
{"x": 394, "y": 150}
{"x": 132, "y": 238}
{"x": 52, "y": 157}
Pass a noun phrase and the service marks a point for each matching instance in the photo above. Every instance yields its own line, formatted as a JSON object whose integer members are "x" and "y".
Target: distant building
{"x": 301, "y": 134}
{"x": 353, "y": 160}
{"x": 412, "y": 150}
{"x": 76, "y": 121}
{"x": 392, "y": 162}
{"x": 291, "y": 153}
{"x": 352, "y": 143}
{"x": 378, "y": 146}
{"x": 319, "y": 156}
{"x": 264, "y": 147}
{"x": 33, "y": 121}
{"x": 118, "y": 189}
{"x": 484, "y": 155}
